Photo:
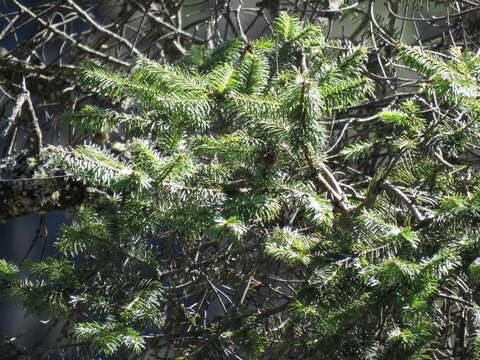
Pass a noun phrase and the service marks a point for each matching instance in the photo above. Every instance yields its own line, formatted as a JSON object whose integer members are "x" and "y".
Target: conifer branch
{"x": 218, "y": 167}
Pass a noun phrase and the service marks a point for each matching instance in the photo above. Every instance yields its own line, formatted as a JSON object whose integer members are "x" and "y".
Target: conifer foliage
{"x": 240, "y": 220}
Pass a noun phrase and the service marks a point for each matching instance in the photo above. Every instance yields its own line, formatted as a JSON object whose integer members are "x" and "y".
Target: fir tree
{"x": 230, "y": 222}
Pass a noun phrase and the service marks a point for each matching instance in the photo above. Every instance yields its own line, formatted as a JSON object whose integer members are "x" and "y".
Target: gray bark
{"x": 27, "y": 186}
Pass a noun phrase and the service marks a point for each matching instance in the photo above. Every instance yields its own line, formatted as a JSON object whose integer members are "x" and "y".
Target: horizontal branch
{"x": 26, "y": 187}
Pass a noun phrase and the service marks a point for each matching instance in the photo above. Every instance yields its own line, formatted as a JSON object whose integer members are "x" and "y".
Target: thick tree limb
{"x": 27, "y": 188}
